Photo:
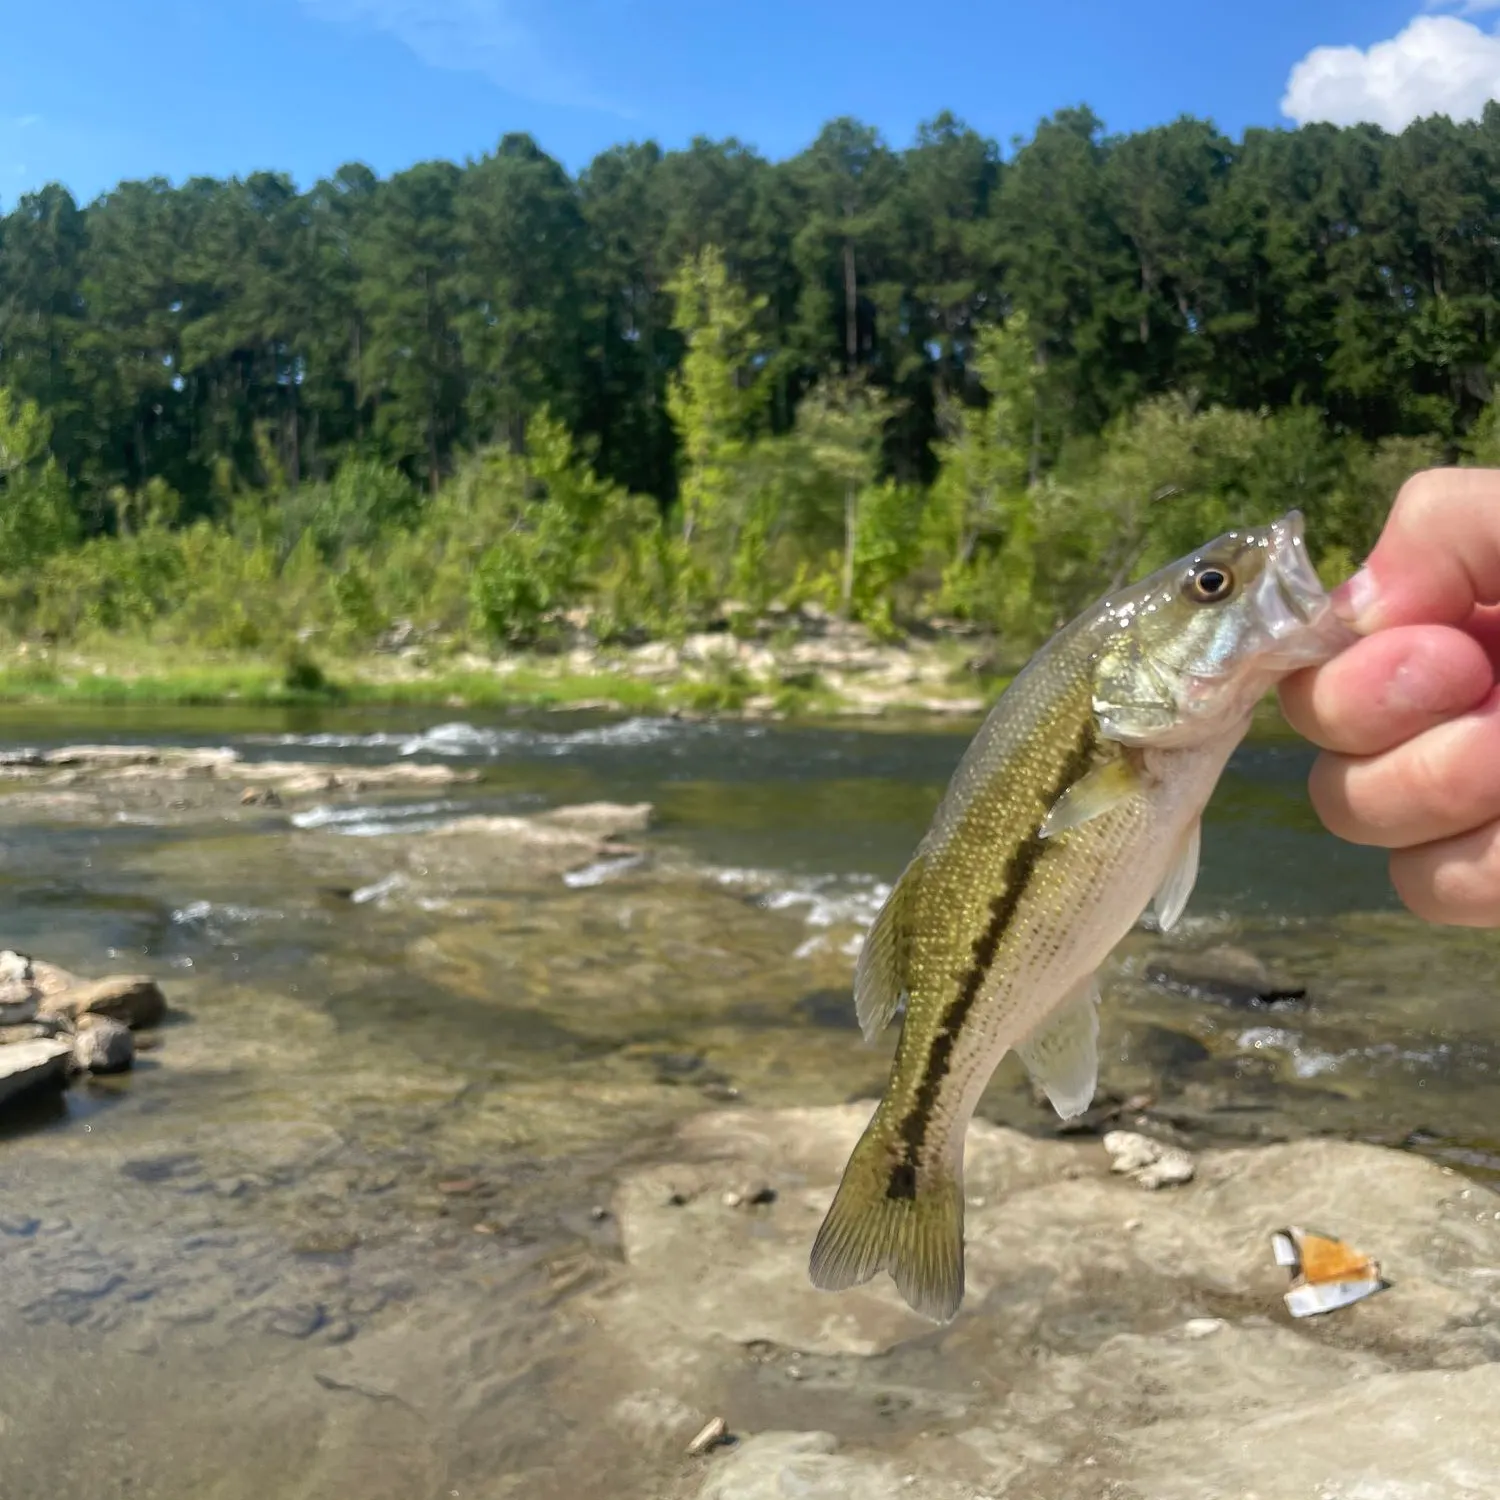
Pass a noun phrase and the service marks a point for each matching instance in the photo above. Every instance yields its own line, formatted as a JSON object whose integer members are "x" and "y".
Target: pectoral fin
{"x": 1092, "y": 796}
{"x": 1172, "y": 896}
{"x": 1063, "y": 1056}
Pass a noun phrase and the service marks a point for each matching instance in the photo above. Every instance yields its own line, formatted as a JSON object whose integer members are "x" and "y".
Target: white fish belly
{"x": 1082, "y": 903}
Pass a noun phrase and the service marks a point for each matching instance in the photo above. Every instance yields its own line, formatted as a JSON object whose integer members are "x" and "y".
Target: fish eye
{"x": 1210, "y": 585}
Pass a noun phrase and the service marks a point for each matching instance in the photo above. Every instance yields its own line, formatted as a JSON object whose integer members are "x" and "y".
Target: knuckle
{"x": 1445, "y": 887}
{"x": 1420, "y": 498}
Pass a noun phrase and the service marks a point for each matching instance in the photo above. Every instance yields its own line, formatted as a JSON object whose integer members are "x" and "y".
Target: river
{"x": 382, "y": 1127}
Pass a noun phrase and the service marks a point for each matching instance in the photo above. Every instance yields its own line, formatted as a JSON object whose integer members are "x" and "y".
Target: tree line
{"x": 835, "y": 371}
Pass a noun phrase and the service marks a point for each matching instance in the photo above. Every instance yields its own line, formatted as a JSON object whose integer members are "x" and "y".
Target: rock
{"x": 51, "y": 980}
{"x": 1224, "y": 975}
{"x": 103, "y": 1045}
{"x": 1148, "y": 1161}
{"x": 134, "y": 999}
{"x": 1112, "y": 1342}
{"x": 709, "y": 647}
{"x": 18, "y": 1002}
{"x": 18, "y": 990}
{"x": 1390, "y": 1437}
{"x": 40, "y": 1030}
{"x": 775, "y": 1465}
{"x": 27, "y": 1067}
{"x": 116, "y": 764}
{"x": 1161, "y": 1050}
{"x": 600, "y": 820}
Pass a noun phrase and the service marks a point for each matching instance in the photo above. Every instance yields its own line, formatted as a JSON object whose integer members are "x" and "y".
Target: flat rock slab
{"x": 114, "y": 765}
{"x": 25, "y": 1066}
{"x": 1114, "y": 1341}
{"x": 775, "y": 1465}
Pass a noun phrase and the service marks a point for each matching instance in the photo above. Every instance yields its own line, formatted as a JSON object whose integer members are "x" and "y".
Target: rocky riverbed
{"x": 1115, "y": 1341}
{"x": 486, "y": 1137}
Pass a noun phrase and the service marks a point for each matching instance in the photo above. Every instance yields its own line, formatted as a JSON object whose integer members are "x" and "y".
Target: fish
{"x": 1078, "y": 803}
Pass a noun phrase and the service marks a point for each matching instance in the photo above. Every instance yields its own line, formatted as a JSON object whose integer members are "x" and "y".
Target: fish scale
{"x": 1077, "y": 802}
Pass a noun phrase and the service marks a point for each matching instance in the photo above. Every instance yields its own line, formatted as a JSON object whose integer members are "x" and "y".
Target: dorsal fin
{"x": 880, "y": 973}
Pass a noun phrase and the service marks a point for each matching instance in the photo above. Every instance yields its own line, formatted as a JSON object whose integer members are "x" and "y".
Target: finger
{"x": 1438, "y": 556}
{"x": 1454, "y": 881}
{"x": 1440, "y": 784}
{"x": 1484, "y": 626}
{"x": 1384, "y": 690}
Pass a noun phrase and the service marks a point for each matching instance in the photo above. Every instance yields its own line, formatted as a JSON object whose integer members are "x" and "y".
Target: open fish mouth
{"x": 1297, "y": 585}
{"x": 1293, "y": 604}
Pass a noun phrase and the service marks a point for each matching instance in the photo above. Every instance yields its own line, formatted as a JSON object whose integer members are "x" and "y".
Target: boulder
{"x": 102, "y": 1045}
{"x": 134, "y": 999}
{"x": 28, "y": 1067}
{"x": 18, "y": 990}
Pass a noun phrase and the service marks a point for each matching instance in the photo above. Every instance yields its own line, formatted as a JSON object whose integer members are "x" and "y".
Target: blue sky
{"x": 93, "y": 91}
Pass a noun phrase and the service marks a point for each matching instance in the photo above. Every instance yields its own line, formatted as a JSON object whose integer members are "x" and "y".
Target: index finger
{"x": 1437, "y": 558}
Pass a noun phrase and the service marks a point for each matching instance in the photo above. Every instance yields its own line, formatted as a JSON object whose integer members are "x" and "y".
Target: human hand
{"x": 1408, "y": 718}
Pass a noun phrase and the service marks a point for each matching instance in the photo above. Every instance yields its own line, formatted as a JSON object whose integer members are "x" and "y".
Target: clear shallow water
{"x": 362, "y": 1019}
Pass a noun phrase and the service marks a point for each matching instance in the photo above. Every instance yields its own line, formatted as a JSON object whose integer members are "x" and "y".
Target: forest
{"x": 495, "y": 401}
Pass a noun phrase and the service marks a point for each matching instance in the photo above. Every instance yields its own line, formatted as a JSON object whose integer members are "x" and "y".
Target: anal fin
{"x": 1172, "y": 895}
{"x": 1063, "y": 1054}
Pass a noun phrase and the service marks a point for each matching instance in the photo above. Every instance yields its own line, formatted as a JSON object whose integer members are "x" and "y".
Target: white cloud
{"x": 1437, "y": 65}
{"x": 489, "y": 37}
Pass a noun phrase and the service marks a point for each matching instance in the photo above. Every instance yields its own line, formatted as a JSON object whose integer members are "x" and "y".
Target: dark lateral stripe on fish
{"x": 1019, "y": 869}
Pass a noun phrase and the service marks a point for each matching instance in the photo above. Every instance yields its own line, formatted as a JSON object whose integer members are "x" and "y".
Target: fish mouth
{"x": 1300, "y": 590}
{"x": 1294, "y": 604}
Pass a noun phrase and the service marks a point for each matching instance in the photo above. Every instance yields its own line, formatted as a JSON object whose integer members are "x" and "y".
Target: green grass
{"x": 264, "y": 685}
{"x": 122, "y": 673}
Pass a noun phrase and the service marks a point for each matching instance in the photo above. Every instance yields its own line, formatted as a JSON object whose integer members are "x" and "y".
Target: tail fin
{"x": 919, "y": 1239}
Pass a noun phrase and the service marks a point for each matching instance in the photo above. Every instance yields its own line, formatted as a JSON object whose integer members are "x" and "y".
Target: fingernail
{"x": 1354, "y": 600}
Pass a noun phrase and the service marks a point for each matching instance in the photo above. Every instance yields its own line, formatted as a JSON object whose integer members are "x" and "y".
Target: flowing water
{"x": 379, "y": 1134}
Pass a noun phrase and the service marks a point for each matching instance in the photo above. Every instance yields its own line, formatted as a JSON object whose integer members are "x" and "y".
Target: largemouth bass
{"x": 1077, "y": 805}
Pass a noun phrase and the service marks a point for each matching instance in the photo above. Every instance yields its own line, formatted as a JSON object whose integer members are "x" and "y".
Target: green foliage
{"x": 36, "y": 514}
{"x": 981, "y": 521}
{"x": 503, "y": 404}
{"x": 715, "y": 402}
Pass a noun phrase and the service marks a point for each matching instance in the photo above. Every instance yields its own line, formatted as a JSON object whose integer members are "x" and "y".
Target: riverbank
{"x": 843, "y": 675}
{"x": 822, "y": 667}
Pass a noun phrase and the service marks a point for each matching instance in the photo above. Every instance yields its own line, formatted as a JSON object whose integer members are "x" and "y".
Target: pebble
{"x": 1202, "y": 1328}
{"x": 1148, "y": 1161}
